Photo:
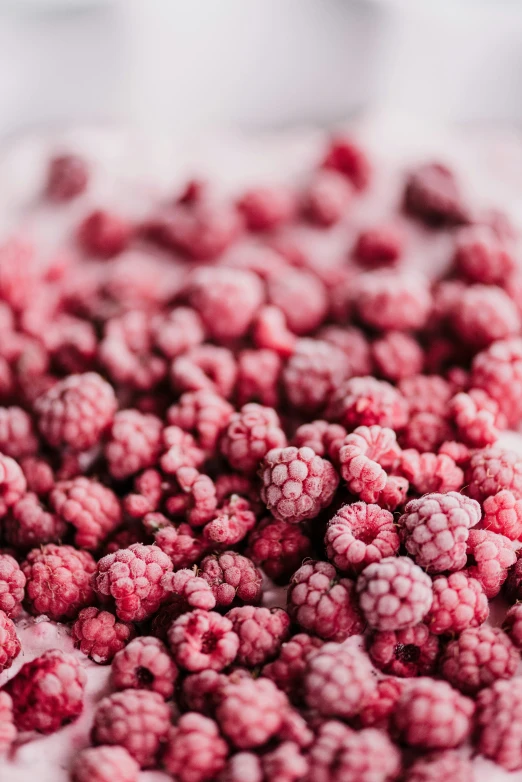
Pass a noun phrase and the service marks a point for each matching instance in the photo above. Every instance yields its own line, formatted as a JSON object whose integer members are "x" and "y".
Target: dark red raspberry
{"x": 93, "y": 509}
{"x": 477, "y": 417}
{"x": 12, "y": 585}
{"x": 344, "y": 155}
{"x": 481, "y": 256}
{"x": 104, "y": 233}
{"x": 231, "y": 523}
{"x": 105, "y": 764}
{"x": 499, "y": 723}
{"x": 177, "y": 331}
{"x": 261, "y": 632}
{"x": 99, "y": 635}
{"x": 390, "y": 300}
{"x": 483, "y": 314}
{"x": 137, "y": 720}
{"x": 381, "y": 245}
{"x": 359, "y": 534}
{"x": 503, "y": 514}
{"x": 7, "y": 727}
{"x": 272, "y": 333}
{"x": 47, "y": 692}
{"x": 432, "y": 715}
{"x": 498, "y": 371}
{"x": 354, "y": 345}
{"x": 409, "y": 652}
{"x": 326, "y": 198}
{"x": 10, "y": 645}
{"x": 379, "y": 707}
{"x": 76, "y": 411}
{"x": 394, "y": 593}
{"x": 459, "y": 602}
{"x": 203, "y": 639}
{"x": 490, "y": 555}
{"x": 301, "y": 296}
{"x": 322, "y": 604}
{"x": 365, "y": 401}
{"x": 67, "y": 177}
{"x": 288, "y": 668}
{"x": 313, "y": 372}
{"x": 433, "y": 195}
{"x": 323, "y": 438}
{"x": 493, "y": 469}
{"x": 478, "y": 657}
{"x": 144, "y": 664}
{"x": 430, "y": 472}
{"x": 134, "y": 443}
{"x": 362, "y": 457}
{"x": 267, "y": 208}
{"x": 513, "y": 624}
{"x": 194, "y": 751}
{"x": 204, "y": 414}
{"x": 127, "y": 351}
{"x": 204, "y": 368}
{"x": 278, "y": 548}
{"x": 251, "y": 711}
{"x": 448, "y": 765}
{"x": 425, "y": 432}
{"x": 58, "y": 581}
{"x": 28, "y": 524}
{"x": 17, "y": 438}
{"x": 250, "y": 434}
{"x": 12, "y": 483}
{"x": 338, "y": 679}
{"x": 258, "y": 377}
{"x": 232, "y": 578}
{"x": 397, "y": 355}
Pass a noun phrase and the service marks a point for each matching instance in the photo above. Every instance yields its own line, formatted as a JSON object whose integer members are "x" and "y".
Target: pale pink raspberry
{"x": 432, "y": 194}
{"x": 459, "y": 452}
{"x": 481, "y": 256}
{"x": 409, "y": 652}
{"x": 178, "y": 331}
{"x": 232, "y": 577}
{"x": 190, "y": 589}
{"x": 477, "y": 417}
{"x": 231, "y": 523}
{"x": 363, "y": 456}
{"x": 345, "y": 155}
{"x": 204, "y": 414}
{"x": 134, "y": 443}
{"x": 7, "y": 727}
{"x": 201, "y": 690}
{"x": 287, "y": 670}
{"x": 137, "y": 720}
{"x": 430, "y": 472}
{"x": 354, "y": 344}
{"x": 250, "y": 434}
{"x": 312, "y": 373}
{"x": 389, "y": 300}
{"x": 243, "y": 767}
{"x": 58, "y": 581}
{"x": 261, "y": 631}
{"x": 337, "y": 680}
{"x": 379, "y": 707}
{"x": 76, "y": 411}
{"x": 251, "y": 711}
{"x": 394, "y": 593}
{"x": 297, "y": 483}
{"x": 99, "y": 635}
{"x": 435, "y": 529}
{"x": 493, "y": 469}
{"x": 425, "y": 432}
{"x": 127, "y": 351}
{"x": 513, "y": 624}
{"x": 447, "y": 764}
{"x": 459, "y": 602}
{"x": 133, "y": 578}
{"x": 180, "y": 543}
{"x": 365, "y": 401}
{"x": 498, "y": 371}
{"x": 503, "y": 514}
{"x": 323, "y": 438}
{"x": 28, "y": 524}
{"x": 196, "y": 499}
{"x": 38, "y": 474}
{"x": 93, "y": 509}
{"x": 484, "y": 314}
{"x": 205, "y": 368}
{"x": 271, "y": 332}
{"x": 499, "y": 723}
{"x": 105, "y": 764}
{"x": 432, "y": 715}
{"x": 359, "y": 534}
{"x": 144, "y": 664}
{"x": 12, "y": 483}
{"x": 397, "y": 355}
{"x": 301, "y": 296}
{"x": 322, "y": 604}
{"x": 426, "y": 394}
{"x": 278, "y": 548}
{"x": 47, "y": 692}
{"x": 12, "y": 585}
{"x": 10, "y": 645}
{"x": 194, "y": 750}
{"x": 285, "y": 763}
{"x": 67, "y": 177}
{"x": 203, "y": 639}
{"x": 491, "y": 555}
{"x": 258, "y": 377}
{"x": 478, "y": 657}
{"x": 17, "y": 437}
{"x": 180, "y": 450}
{"x": 380, "y": 245}
{"x": 326, "y": 198}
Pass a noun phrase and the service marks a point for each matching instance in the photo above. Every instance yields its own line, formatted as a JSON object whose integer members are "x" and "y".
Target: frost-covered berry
{"x": 394, "y": 593}
{"x": 47, "y": 692}
{"x": 243, "y": 767}
{"x": 513, "y": 624}
{"x": 272, "y": 333}
{"x": 93, "y": 509}
{"x": 477, "y": 417}
{"x": 261, "y": 631}
{"x": 359, "y": 534}
{"x": 379, "y": 245}
{"x": 134, "y": 443}
{"x": 202, "y": 413}
{"x": 7, "y": 726}
{"x": 180, "y": 450}
{"x": 191, "y": 590}
{"x": 409, "y": 652}
{"x": 17, "y": 437}
{"x": 313, "y": 372}
{"x": 144, "y": 664}
{"x": 278, "y": 547}
{"x": 285, "y": 763}
{"x": 301, "y": 296}
{"x": 493, "y": 469}
{"x": 378, "y": 709}
{"x": 288, "y": 668}
{"x": 232, "y": 577}
{"x": 250, "y": 434}
{"x": 484, "y": 314}
{"x": 12, "y": 483}
{"x": 425, "y": 432}
{"x": 365, "y": 401}
{"x": 194, "y": 750}
{"x": 432, "y": 194}
{"x": 491, "y": 555}
{"x": 9, "y": 643}
{"x": 363, "y": 456}
{"x": 203, "y": 639}
{"x": 482, "y": 256}
{"x": 499, "y": 723}
{"x": 99, "y": 635}
{"x": 267, "y": 208}
{"x": 323, "y": 438}
{"x": 430, "y": 472}
{"x": 105, "y": 764}
{"x": 178, "y": 331}
{"x": 390, "y": 300}
{"x": 251, "y": 711}
{"x": 498, "y": 371}
{"x": 200, "y": 691}
{"x": 12, "y": 585}
{"x": 459, "y": 602}
{"x": 180, "y": 543}
{"x": 503, "y": 514}
{"x": 58, "y": 581}
{"x": 478, "y": 657}
{"x": 426, "y": 394}
{"x": 326, "y": 198}
{"x": 230, "y": 523}
{"x": 397, "y": 355}
{"x": 448, "y": 765}
{"x": 28, "y": 524}
{"x": 337, "y": 680}
{"x": 204, "y": 368}
{"x": 196, "y": 499}
{"x": 258, "y": 377}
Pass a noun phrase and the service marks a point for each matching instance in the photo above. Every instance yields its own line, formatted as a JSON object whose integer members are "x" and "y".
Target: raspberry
{"x": 362, "y": 457}
{"x": 201, "y": 640}
{"x": 243, "y": 767}
{"x": 251, "y": 711}
{"x": 426, "y": 432}
{"x": 267, "y": 208}
{"x": 126, "y": 351}
{"x": 232, "y": 577}
{"x": 201, "y": 690}
{"x": 76, "y": 411}
{"x": 58, "y": 581}
{"x": 204, "y": 368}
{"x": 365, "y": 401}
{"x": 149, "y": 488}
{"x": 432, "y": 194}
{"x": 38, "y": 474}
{"x": 272, "y": 333}
{"x": 326, "y": 198}
{"x": 429, "y": 472}
{"x": 194, "y": 752}
{"x": 232, "y": 522}
{"x": 354, "y": 345}
{"x": 491, "y": 556}
{"x": 301, "y": 296}
{"x": 432, "y": 715}
{"x": 12, "y": 585}
{"x": 297, "y": 483}
{"x": 196, "y": 499}
{"x": 179, "y": 543}
{"x": 7, "y": 728}
{"x": 493, "y": 469}
{"x": 381, "y": 245}
{"x": 503, "y": 514}
{"x": 485, "y": 313}
{"x": 137, "y": 720}
{"x": 133, "y": 577}
{"x": 397, "y": 355}
{"x": 250, "y": 434}
{"x": 481, "y": 256}
{"x": 323, "y": 605}
{"x": 394, "y": 493}
{"x": 477, "y": 417}
{"x": 434, "y": 530}
{"x": 409, "y": 652}
{"x": 278, "y": 548}
{"x": 327, "y": 751}
{"x": 258, "y": 377}
{"x": 314, "y": 370}
{"x": 286, "y": 763}
{"x": 478, "y": 657}
{"x": 459, "y": 602}
{"x": 204, "y": 414}
{"x": 338, "y": 679}
{"x": 459, "y": 452}
{"x": 288, "y": 668}
{"x": 359, "y": 534}
{"x": 426, "y": 394}
{"x": 499, "y": 723}
{"x": 93, "y": 509}
{"x": 17, "y": 438}
{"x": 261, "y": 632}
{"x": 144, "y": 664}
{"x": 394, "y": 593}
{"x": 177, "y": 331}
{"x": 97, "y": 634}
{"x": 323, "y": 438}
{"x": 12, "y": 483}
{"x": 9, "y": 644}
{"x": 47, "y": 692}
{"x": 379, "y": 707}
{"x": 389, "y": 300}
{"x": 104, "y": 233}
{"x": 448, "y": 765}
{"x": 28, "y": 524}
{"x": 105, "y": 764}
{"x": 134, "y": 443}
{"x": 344, "y": 155}
{"x": 189, "y": 589}
{"x": 513, "y": 625}
{"x": 67, "y": 177}
{"x": 498, "y": 371}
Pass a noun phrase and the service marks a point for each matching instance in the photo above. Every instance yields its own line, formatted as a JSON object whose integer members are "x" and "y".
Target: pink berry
{"x": 499, "y": 723}
{"x": 177, "y": 331}
{"x": 67, "y": 177}
{"x": 58, "y": 581}
{"x": 28, "y": 524}
{"x": 315, "y": 369}
{"x": 513, "y": 624}
{"x": 180, "y": 543}
{"x": 337, "y": 680}
{"x": 38, "y": 474}
{"x": 10, "y": 645}
{"x": 243, "y": 767}
{"x": 17, "y": 437}
{"x": 261, "y": 631}
{"x": 200, "y": 691}
{"x": 363, "y": 456}
{"x": 231, "y": 523}
{"x": 397, "y": 355}
{"x": 477, "y": 417}
{"x": 365, "y": 401}
{"x": 498, "y": 371}
{"x": 288, "y": 668}
{"x": 430, "y": 472}
{"x": 127, "y": 351}
{"x": 478, "y": 657}
{"x": 447, "y": 764}
{"x": 409, "y": 652}
{"x": 503, "y": 514}
{"x": 426, "y": 394}
{"x": 98, "y": 634}
{"x": 134, "y": 443}
{"x": 359, "y": 534}
{"x": 267, "y": 208}
{"x": 326, "y": 198}
{"x": 433, "y": 195}
{"x": 232, "y": 577}
{"x": 484, "y": 314}
{"x": 278, "y": 548}
{"x": 271, "y": 332}
{"x": 7, "y": 726}
{"x": 194, "y": 751}
{"x": 104, "y": 233}
{"x": 250, "y": 712}
{"x": 93, "y": 509}
{"x": 459, "y": 602}
{"x": 203, "y": 639}
{"x": 491, "y": 556}
{"x": 204, "y": 368}
{"x": 323, "y": 438}
{"x": 144, "y": 664}
{"x": 12, "y": 585}
{"x": 250, "y": 434}
{"x": 341, "y": 754}
{"x": 481, "y": 256}
{"x": 105, "y": 764}
{"x": 181, "y": 450}
{"x": 380, "y": 245}
{"x": 344, "y": 155}
{"x": 426, "y": 432}
{"x": 12, "y": 483}
{"x": 354, "y": 345}
{"x": 257, "y": 377}
{"x": 379, "y": 707}
{"x": 301, "y": 296}
{"x": 390, "y": 300}
{"x": 192, "y": 590}
{"x": 493, "y": 469}
{"x": 204, "y": 414}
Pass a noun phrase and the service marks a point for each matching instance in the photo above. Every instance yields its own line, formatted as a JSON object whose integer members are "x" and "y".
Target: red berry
{"x": 481, "y": 256}
{"x": 134, "y": 443}
{"x": 203, "y": 639}
{"x": 381, "y": 245}
{"x": 498, "y": 371}
{"x": 390, "y": 300}
{"x": 362, "y": 457}
{"x": 459, "y": 602}
{"x": 301, "y": 296}
{"x": 409, "y": 652}
{"x": 503, "y": 514}
{"x": 499, "y": 723}
{"x": 177, "y": 331}
{"x": 250, "y": 434}
{"x": 338, "y": 679}
{"x": 312, "y": 373}
{"x": 98, "y": 634}
{"x": 359, "y": 534}
{"x": 397, "y": 355}
{"x": 493, "y": 469}
{"x": 17, "y": 437}
{"x": 513, "y": 624}
{"x": 12, "y": 585}
{"x": 231, "y": 523}
{"x": 365, "y": 401}
{"x": 104, "y": 233}
{"x": 7, "y": 727}
{"x": 9, "y": 643}
{"x": 483, "y": 314}
{"x": 278, "y": 548}
{"x": 67, "y": 177}
{"x": 323, "y": 438}
{"x": 491, "y": 556}
{"x": 267, "y": 208}
{"x": 326, "y": 198}
{"x": 93, "y": 509}
{"x": 232, "y": 577}
{"x": 105, "y": 764}
{"x": 257, "y": 377}
{"x": 285, "y": 763}
{"x": 12, "y": 483}
{"x": 204, "y": 414}
{"x": 340, "y": 754}
{"x": 288, "y": 668}
{"x": 58, "y": 581}
{"x": 261, "y": 631}
{"x": 144, "y": 664}
{"x": 346, "y": 156}
{"x": 250, "y": 712}
{"x": 378, "y": 709}
{"x": 477, "y": 417}
{"x": 478, "y": 657}
{"x": 432, "y": 194}
{"x": 28, "y": 524}
{"x": 194, "y": 751}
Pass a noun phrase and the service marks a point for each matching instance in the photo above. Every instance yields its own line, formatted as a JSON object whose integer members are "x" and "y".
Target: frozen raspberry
{"x": 148, "y": 492}
{"x": 297, "y": 483}
{"x": 272, "y": 333}
{"x": 127, "y": 351}
{"x": 363, "y": 455}
{"x": 381, "y": 245}
{"x": 178, "y": 331}
{"x": 426, "y": 394}
{"x": 286, "y": 763}
{"x": 459, "y": 452}
{"x": 7, "y": 727}
{"x": 181, "y": 450}
{"x": 196, "y": 499}
{"x": 104, "y": 233}
{"x": 232, "y": 577}
{"x": 133, "y": 577}
{"x": 435, "y": 529}
{"x": 362, "y": 756}
{"x": 99, "y": 635}
{"x": 491, "y": 555}
{"x": 194, "y": 752}
{"x": 204, "y": 414}
{"x": 134, "y": 443}
{"x": 12, "y": 585}
{"x": 243, "y": 767}
{"x": 478, "y": 657}
{"x": 301, "y": 296}
{"x": 498, "y": 370}
{"x": 251, "y": 433}
{"x": 67, "y": 177}
{"x": 328, "y": 750}
{"x": 481, "y": 256}
{"x": 251, "y": 711}
{"x": 105, "y": 764}
{"x": 231, "y": 523}
{"x": 288, "y": 668}
{"x": 394, "y": 593}
{"x": 389, "y": 300}
{"x": 459, "y": 602}
{"x": 477, "y": 417}
{"x": 58, "y": 581}
{"x": 432, "y": 715}
{"x": 409, "y": 652}
{"x": 448, "y": 765}
{"x": 38, "y": 474}
{"x": 354, "y": 345}
{"x": 326, "y": 198}
{"x": 338, "y": 679}
{"x": 267, "y": 208}
{"x": 432, "y": 194}
{"x": 323, "y": 438}
{"x": 194, "y": 591}
{"x": 485, "y": 313}
{"x": 258, "y": 377}
{"x": 261, "y": 632}
{"x": 397, "y": 355}
{"x": 144, "y": 664}
{"x": 202, "y": 639}
{"x": 312, "y": 373}
{"x": 425, "y": 432}
{"x": 201, "y": 690}
{"x": 204, "y": 368}
{"x": 359, "y": 534}
{"x": 499, "y": 723}
{"x": 180, "y": 543}
{"x": 28, "y": 524}
{"x": 9, "y": 644}
{"x": 278, "y": 548}
{"x": 365, "y": 401}
{"x": 322, "y": 604}
{"x": 47, "y": 692}
{"x": 137, "y": 720}
{"x": 17, "y": 438}
{"x": 344, "y": 155}
{"x": 93, "y": 509}
{"x": 503, "y": 514}
{"x": 394, "y": 493}
{"x": 430, "y": 472}
{"x": 493, "y": 469}
{"x": 12, "y": 483}
{"x": 379, "y": 707}
{"x": 76, "y": 411}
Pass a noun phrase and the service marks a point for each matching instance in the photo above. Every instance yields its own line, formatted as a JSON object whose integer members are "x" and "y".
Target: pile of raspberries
{"x": 264, "y": 486}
